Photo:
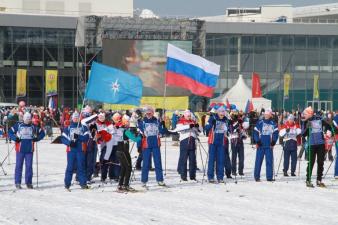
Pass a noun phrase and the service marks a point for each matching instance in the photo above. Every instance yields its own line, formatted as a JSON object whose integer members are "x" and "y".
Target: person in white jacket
{"x": 289, "y": 132}
{"x": 188, "y": 131}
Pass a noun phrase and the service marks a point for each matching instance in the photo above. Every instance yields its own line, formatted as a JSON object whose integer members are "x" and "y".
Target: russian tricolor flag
{"x": 191, "y": 72}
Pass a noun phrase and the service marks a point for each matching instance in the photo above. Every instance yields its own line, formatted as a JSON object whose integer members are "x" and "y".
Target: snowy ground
{"x": 286, "y": 201}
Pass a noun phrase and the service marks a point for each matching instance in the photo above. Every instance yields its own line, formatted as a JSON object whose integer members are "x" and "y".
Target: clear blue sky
{"x": 211, "y": 7}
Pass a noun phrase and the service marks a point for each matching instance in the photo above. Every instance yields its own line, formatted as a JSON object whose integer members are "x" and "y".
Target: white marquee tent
{"x": 239, "y": 95}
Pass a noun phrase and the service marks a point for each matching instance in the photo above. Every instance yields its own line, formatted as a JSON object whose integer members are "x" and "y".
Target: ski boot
{"x": 270, "y": 180}
{"x": 309, "y": 184}
{"x": 211, "y": 181}
{"x": 85, "y": 187}
{"x": 258, "y": 180}
{"x": 184, "y": 179}
{"x": 293, "y": 174}
{"x": 220, "y": 181}
{"x": 29, "y": 186}
{"x": 229, "y": 176}
{"x": 286, "y": 174}
{"x": 120, "y": 188}
{"x": 320, "y": 184}
{"x": 161, "y": 183}
{"x": 18, "y": 186}
{"x": 130, "y": 189}
{"x": 67, "y": 188}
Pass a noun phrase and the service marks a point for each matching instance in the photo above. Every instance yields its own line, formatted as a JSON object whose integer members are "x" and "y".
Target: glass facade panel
{"x": 272, "y": 56}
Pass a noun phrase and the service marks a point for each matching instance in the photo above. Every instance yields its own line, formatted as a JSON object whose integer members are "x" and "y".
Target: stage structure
{"x": 92, "y": 30}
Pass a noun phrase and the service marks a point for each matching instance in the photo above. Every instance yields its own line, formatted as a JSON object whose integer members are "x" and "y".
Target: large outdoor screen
{"x": 146, "y": 59}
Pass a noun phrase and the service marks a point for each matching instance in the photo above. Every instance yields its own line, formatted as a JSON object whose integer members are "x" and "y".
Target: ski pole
{"x": 199, "y": 147}
{"x": 280, "y": 161}
{"x": 330, "y": 165}
{"x": 37, "y": 166}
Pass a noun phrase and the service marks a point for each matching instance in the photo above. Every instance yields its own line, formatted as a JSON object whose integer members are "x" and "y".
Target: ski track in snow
{"x": 286, "y": 201}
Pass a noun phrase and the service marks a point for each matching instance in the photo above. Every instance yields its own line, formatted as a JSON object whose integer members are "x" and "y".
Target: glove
{"x": 76, "y": 136}
{"x": 192, "y": 125}
{"x": 117, "y": 126}
{"x": 72, "y": 144}
{"x": 92, "y": 127}
{"x": 214, "y": 123}
{"x": 17, "y": 140}
{"x": 197, "y": 125}
{"x": 35, "y": 139}
{"x": 273, "y": 143}
{"x": 287, "y": 130}
{"x": 163, "y": 123}
{"x": 259, "y": 143}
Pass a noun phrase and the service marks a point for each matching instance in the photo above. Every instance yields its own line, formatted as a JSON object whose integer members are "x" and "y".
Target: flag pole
{"x": 165, "y": 136}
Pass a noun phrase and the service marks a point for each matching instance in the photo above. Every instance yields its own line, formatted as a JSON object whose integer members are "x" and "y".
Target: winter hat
{"x": 125, "y": 119}
{"x": 117, "y": 117}
{"x": 102, "y": 117}
{"x": 27, "y": 117}
{"x": 75, "y": 115}
{"x": 149, "y": 109}
{"x": 187, "y": 113}
{"x": 291, "y": 117}
{"x": 308, "y": 111}
{"x": 268, "y": 111}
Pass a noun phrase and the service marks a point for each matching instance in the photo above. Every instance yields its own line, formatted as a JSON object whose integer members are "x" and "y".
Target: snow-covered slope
{"x": 286, "y": 201}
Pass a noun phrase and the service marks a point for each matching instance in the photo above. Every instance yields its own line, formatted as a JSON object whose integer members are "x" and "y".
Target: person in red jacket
{"x": 289, "y": 132}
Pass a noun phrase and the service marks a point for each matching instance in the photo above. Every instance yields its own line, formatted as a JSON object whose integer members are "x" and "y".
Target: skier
{"x": 237, "y": 135}
{"x": 74, "y": 137}
{"x": 104, "y": 144}
{"x": 25, "y": 136}
{"x": 117, "y": 130}
{"x": 314, "y": 128}
{"x": 217, "y": 130}
{"x": 265, "y": 136}
{"x": 188, "y": 132}
{"x": 123, "y": 155}
{"x": 151, "y": 129}
{"x": 289, "y": 132}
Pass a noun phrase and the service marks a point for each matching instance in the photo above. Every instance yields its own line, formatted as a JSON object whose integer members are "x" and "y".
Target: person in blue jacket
{"x": 74, "y": 137}
{"x": 314, "y": 128}
{"x": 217, "y": 130}
{"x": 25, "y": 135}
{"x": 265, "y": 136}
{"x": 151, "y": 128}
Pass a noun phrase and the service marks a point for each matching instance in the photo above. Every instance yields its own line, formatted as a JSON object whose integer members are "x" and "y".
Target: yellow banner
{"x": 287, "y": 80}
{"x": 51, "y": 82}
{"x": 316, "y": 87}
{"x": 21, "y": 81}
{"x": 172, "y": 103}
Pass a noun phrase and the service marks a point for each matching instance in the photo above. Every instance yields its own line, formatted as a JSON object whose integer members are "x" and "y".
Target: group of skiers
{"x": 90, "y": 132}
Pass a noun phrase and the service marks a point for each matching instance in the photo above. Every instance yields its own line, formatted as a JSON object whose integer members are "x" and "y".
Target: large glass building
{"x": 273, "y": 50}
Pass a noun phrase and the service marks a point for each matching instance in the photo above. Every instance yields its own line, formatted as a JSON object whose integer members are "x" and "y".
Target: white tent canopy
{"x": 239, "y": 95}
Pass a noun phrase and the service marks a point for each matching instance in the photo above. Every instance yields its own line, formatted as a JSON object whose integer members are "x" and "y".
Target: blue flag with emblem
{"x": 110, "y": 85}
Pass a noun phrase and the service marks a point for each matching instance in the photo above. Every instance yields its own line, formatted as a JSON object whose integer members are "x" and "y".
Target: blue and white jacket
{"x": 313, "y": 128}
{"x": 68, "y": 136}
{"x": 26, "y": 134}
{"x": 266, "y": 132}
{"x": 217, "y": 130}
{"x": 151, "y": 130}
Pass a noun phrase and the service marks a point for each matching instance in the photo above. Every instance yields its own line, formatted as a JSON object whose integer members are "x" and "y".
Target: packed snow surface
{"x": 285, "y": 201}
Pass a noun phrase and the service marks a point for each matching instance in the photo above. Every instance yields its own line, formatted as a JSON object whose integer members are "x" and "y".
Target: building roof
{"x": 40, "y": 21}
